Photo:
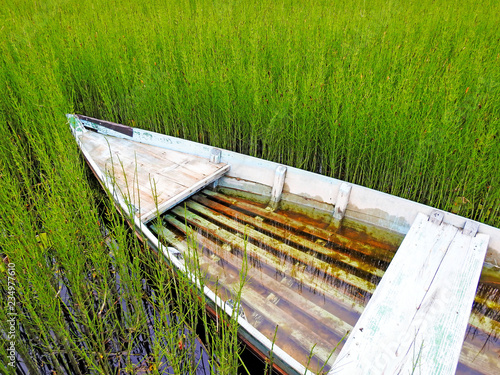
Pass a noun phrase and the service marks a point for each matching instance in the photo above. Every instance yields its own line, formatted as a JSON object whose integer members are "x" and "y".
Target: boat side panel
{"x": 319, "y": 192}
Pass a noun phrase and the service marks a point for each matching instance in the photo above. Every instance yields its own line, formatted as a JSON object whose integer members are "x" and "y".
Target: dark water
{"x": 123, "y": 357}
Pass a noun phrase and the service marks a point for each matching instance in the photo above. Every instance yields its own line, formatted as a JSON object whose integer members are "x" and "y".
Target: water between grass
{"x": 394, "y": 96}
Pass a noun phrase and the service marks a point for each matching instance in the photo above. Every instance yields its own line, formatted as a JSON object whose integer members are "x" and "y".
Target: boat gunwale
{"x": 365, "y": 205}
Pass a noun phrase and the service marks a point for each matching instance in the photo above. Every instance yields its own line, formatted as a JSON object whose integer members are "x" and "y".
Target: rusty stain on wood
{"x": 278, "y": 279}
{"x": 316, "y": 231}
{"x": 289, "y": 236}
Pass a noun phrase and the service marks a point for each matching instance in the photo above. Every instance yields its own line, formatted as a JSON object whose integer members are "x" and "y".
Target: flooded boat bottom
{"x": 304, "y": 276}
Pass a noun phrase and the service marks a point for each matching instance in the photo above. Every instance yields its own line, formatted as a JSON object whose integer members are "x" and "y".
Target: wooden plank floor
{"x": 291, "y": 274}
{"x": 322, "y": 297}
{"x": 416, "y": 320}
{"x": 150, "y": 177}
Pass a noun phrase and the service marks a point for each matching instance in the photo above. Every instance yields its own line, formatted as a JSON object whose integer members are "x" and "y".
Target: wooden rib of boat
{"x": 324, "y": 258}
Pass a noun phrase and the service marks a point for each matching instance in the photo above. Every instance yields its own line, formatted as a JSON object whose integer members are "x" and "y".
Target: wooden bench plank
{"x": 174, "y": 200}
{"x": 413, "y": 317}
{"x": 137, "y": 169}
{"x": 441, "y": 321}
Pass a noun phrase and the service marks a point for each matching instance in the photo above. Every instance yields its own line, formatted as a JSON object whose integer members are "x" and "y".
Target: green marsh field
{"x": 398, "y": 96}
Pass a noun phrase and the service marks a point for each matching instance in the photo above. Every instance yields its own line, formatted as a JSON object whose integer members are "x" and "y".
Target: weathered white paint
{"x": 151, "y": 179}
{"x": 257, "y": 176}
{"x": 418, "y": 315}
{"x": 365, "y": 204}
{"x": 342, "y": 201}
{"x": 279, "y": 181}
{"x": 470, "y": 228}
{"x": 215, "y": 155}
{"x": 76, "y": 126}
{"x": 147, "y": 216}
{"x": 436, "y": 217}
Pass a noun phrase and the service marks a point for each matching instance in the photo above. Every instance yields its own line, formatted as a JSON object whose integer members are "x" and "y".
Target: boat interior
{"x": 304, "y": 252}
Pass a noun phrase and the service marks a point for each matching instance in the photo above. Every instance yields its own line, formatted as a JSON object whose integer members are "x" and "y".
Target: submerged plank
{"x": 239, "y": 243}
{"x": 332, "y": 324}
{"x": 302, "y": 323}
{"x": 298, "y": 226}
{"x": 262, "y": 259}
{"x": 290, "y": 236}
{"x": 417, "y": 317}
{"x": 286, "y": 250}
{"x": 318, "y": 232}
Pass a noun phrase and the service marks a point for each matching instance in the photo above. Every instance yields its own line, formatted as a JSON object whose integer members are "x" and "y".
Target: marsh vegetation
{"x": 398, "y": 97}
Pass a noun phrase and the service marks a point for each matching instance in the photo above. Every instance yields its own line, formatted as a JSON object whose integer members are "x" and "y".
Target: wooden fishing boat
{"x": 323, "y": 259}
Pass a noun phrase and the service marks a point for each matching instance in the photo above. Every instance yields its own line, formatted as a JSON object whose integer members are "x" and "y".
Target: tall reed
{"x": 394, "y": 96}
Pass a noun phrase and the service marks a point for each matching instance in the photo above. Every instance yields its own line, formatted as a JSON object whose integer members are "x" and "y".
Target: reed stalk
{"x": 394, "y": 96}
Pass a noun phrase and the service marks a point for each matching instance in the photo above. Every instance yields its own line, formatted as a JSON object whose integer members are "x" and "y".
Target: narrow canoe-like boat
{"x": 323, "y": 259}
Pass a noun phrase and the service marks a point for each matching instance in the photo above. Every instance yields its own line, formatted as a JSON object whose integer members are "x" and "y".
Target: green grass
{"x": 394, "y": 96}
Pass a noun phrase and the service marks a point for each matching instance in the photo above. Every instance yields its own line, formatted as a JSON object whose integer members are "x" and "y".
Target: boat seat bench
{"x": 417, "y": 316}
{"x": 150, "y": 179}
